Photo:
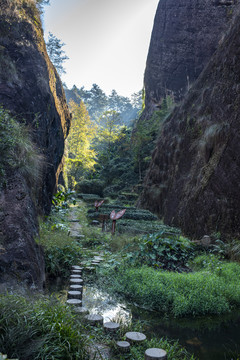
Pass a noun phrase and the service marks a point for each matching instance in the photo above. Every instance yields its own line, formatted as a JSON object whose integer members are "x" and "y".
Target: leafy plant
{"x": 61, "y": 199}
{"x": 163, "y": 250}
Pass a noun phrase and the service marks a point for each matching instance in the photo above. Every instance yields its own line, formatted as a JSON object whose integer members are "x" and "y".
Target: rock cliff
{"x": 31, "y": 90}
{"x": 193, "y": 179}
{"x": 185, "y": 35}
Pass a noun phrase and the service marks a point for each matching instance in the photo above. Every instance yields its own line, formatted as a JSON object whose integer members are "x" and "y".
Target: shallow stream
{"x": 209, "y": 338}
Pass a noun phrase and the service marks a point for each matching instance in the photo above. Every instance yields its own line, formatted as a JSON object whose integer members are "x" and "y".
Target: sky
{"x": 106, "y": 41}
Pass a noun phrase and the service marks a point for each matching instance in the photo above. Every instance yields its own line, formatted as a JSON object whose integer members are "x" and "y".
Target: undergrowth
{"x": 210, "y": 290}
{"x": 40, "y": 329}
{"x": 18, "y": 149}
{"x": 61, "y": 251}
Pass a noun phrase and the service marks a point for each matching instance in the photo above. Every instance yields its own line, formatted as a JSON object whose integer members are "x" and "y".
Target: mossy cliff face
{"x": 193, "y": 179}
{"x": 31, "y": 90}
{"x": 184, "y": 37}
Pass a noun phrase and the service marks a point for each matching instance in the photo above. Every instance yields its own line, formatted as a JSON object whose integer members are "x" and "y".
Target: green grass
{"x": 40, "y": 329}
{"x": 207, "y": 291}
{"x": 18, "y": 149}
{"x": 61, "y": 251}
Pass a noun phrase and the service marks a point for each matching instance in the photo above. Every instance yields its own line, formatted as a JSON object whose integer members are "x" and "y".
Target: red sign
{"x": 97, "y": 204}
{"x": 116, "y": 216}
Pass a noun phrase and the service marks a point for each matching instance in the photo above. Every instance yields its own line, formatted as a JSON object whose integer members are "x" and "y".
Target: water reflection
{"x": 102, "y": 303}
{"x": 209, "y": 338}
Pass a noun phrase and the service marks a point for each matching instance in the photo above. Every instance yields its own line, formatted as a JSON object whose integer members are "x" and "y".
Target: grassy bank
{"x": 206, "y": 291}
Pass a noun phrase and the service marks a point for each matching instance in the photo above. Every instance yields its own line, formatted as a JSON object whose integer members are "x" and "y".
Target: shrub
{"x": 40, "y": 329}
{"x": 165, "y": 250}
{"x": 94, "y": 186}
{"x": 60, "y": 250}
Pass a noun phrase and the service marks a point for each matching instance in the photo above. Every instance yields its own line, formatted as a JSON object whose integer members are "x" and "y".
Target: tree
{"x": 81, "y": 156}
{"x": 56, "y": 53}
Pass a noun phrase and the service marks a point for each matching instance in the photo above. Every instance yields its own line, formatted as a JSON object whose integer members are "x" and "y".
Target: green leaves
{"x": 163, "y": 250}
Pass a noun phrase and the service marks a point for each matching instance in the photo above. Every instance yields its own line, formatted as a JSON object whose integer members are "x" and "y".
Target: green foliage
{"x": 179, "y": 294}
{"x": 40, "y": 329}
{"x": 97, "y": 102}
{"x": 56, "y": 53}
{"x": 163, "y": 250}
{"x": 18, "y": 149}
{"x": 60, "y": 250}
{"x": 94, "y": 186}
{"x": 61, "y": 199}
{"x": 81, "y": 156}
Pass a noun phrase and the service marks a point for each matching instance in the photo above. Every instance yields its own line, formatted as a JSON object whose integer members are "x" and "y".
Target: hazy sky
{"x": 106, "y": 41}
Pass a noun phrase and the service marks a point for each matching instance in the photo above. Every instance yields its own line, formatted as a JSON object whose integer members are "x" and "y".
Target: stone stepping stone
{"x": 111, "y": 327}
{"x": 123, "y": 346}
{"x": 74, "y": 294}
{"x": 95, "y": 263}
{"x": 94, "y": 319}
{"x": 76, "y": 267}
{"x": 75, "y": 276}
{"x": 90, "y": 268}
{"x": 155, "y": 354}
{"x": 76, "y": 272}
{"x": 81, "y": 310}
{"x": 98, "y": 258}
{"x": 134, "y": 336}
{"x": 76, "y": 287}
{"x": 76, "y": 281}
{"x": 75, "y": 302}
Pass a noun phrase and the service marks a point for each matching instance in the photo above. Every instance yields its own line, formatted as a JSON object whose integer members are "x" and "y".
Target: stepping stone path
{"x": 123, "y": 346}
{"x": 76, "y": 267}
{"x": 74, "y": 299}
{"x": 111, "y": 327}
{"x": 81, "y": 310}
{"x": 94, "y": 319}
{"x": 155, "y": 354}
{"x": 74, "y": 302}
{"x": 75, "y": 295}
{"x": 76, "y": 287}
{"x": 76, "y": 281}
{"x": 134, "y": 336}
{"x": 77, "y": 272}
